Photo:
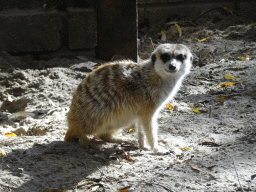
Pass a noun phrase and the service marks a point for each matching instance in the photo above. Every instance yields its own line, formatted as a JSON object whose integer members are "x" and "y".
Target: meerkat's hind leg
{"x": 85, "y": 141}
{"x": 108, "y": 137}
{"x": 71, "y": 135}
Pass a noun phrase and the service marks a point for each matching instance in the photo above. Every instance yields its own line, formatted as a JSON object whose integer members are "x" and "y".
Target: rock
{"x": 15, "y": 105}
{"x": 84, "y": 67}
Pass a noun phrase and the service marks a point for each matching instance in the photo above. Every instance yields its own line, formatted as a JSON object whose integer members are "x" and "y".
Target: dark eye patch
{"x": 181, "y": 57}
{"x": 165, "y": 57}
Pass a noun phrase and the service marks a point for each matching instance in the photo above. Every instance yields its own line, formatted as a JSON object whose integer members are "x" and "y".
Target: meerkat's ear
{"x": 191, "y": 59}
{"x": 153, "y": 58}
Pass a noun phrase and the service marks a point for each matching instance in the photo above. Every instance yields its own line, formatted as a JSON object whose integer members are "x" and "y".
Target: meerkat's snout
{"x": 173, "y": 66}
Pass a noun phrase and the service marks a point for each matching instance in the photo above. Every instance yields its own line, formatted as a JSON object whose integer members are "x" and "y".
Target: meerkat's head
{"x": 172, "y": 60}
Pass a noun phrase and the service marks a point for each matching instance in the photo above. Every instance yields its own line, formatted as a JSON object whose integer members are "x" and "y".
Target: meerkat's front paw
{"x": 145, "y": 148}
{"x": 161, "y": 151}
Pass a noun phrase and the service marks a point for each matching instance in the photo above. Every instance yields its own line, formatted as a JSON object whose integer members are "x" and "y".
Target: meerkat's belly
{"x": 116, "y": 121}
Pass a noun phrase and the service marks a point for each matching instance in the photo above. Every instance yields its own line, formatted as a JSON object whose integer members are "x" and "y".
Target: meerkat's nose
{"x": 172, "y": 67}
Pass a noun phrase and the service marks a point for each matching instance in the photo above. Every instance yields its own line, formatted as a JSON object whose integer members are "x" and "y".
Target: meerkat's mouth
{"x": 171, "y": 71}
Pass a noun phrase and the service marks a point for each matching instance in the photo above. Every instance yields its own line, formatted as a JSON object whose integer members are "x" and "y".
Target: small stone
{"x": 177, "y": 185}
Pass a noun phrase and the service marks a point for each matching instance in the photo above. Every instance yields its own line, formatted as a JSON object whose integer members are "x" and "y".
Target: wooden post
{"x": 116, "y": 29}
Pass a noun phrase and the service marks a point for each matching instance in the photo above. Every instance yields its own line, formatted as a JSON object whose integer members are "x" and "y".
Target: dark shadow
{"x": 57, "y": 165}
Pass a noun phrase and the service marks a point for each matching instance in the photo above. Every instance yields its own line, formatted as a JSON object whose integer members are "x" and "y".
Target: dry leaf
{"x": 98, "y": 64}
{"x": 88, "y": 183}
{"x": 184, "y": 148}
{"x": 10, "y": 134}
{"x": 178, "y": 29}
{"x": 222, "y": 97}
{"x": 131, "y": 130}
{"x": 128, "y": 158}
{"x": 228, "y": 10}
{"x": 225, "y": 85}
{"x": 204, "y": 39}
{"x": 195, "y": 168}
{"x": 195, "y": 110}
{"x": 201, "y": 40}
{"x": 125, "y": 189}
{"x": 247, "y": 57}
{"x": 2, "y": 153}
{"x": 179, "y": 161}
{"x": 229, "y": 76}
{"x": 169, "y": 106}
{"x": 209, "y": 143}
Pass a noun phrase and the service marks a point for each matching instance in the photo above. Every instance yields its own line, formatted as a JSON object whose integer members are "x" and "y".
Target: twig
{"x": 147, "y": 183}
{"x": 215, "y": 8}
{"x": 167, "y": 189}
{"x": 153, "y": 47}
{"x": 210, "y": 111}
{"x": 237, "y": 175}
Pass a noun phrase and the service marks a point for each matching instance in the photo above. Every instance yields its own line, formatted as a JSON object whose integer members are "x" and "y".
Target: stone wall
{"x": 41, "y": 25}
{"x": 26, "y": 30}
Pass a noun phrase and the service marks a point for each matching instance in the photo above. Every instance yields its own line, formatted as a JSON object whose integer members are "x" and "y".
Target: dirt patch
{"x": 214, "y": 146}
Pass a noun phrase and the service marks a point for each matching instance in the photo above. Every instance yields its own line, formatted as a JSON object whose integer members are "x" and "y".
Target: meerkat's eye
{"x": 181, "y": 57}
{"x": 165, "y": 57}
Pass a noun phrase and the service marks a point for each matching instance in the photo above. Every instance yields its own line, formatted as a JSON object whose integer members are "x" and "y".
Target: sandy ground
{"x": 215, "y": 148}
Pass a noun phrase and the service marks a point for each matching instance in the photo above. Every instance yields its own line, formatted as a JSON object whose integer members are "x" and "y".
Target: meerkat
{"x": 123, "y": 92}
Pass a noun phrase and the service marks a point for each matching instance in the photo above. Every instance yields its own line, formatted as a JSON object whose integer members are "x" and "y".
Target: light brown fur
{"x": 118, "y": 94}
